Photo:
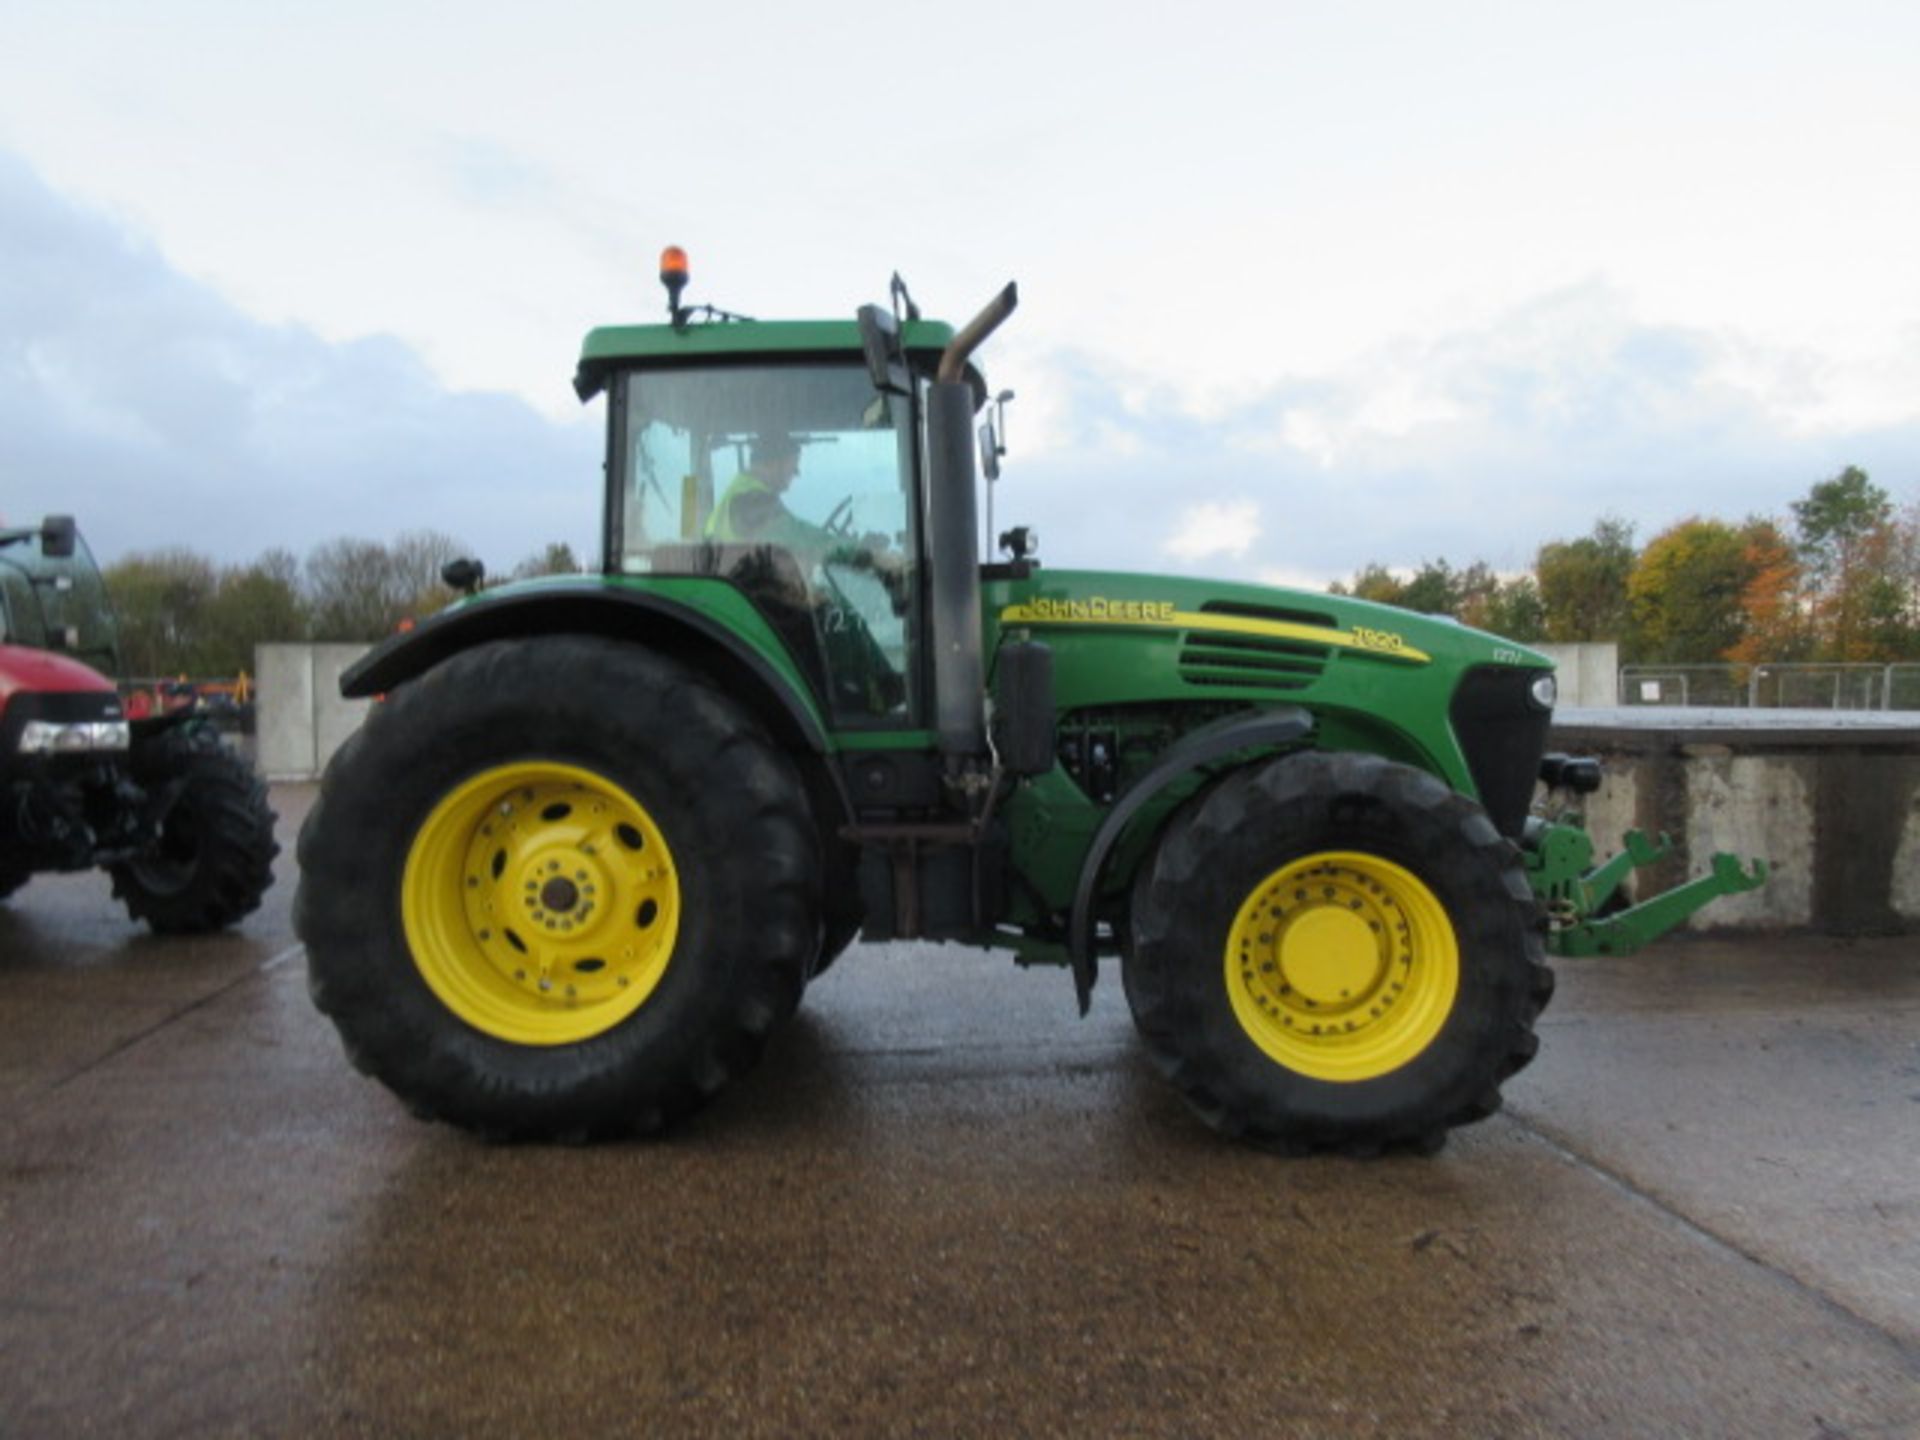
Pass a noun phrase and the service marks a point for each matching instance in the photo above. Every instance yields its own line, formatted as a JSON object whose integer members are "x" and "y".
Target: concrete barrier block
{"x": 1906, "y": 866}
{"x": 334, "y": 719}
{"x": 283, "y": 723}
{"x": 1588, "y": 673}
{"x": 1612, "y": 810}
{"x": 1753, "y": 806}
{"x": 300, "y": 718}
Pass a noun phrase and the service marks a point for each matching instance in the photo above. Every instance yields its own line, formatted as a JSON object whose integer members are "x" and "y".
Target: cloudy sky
{"x": 1303, "y": 285}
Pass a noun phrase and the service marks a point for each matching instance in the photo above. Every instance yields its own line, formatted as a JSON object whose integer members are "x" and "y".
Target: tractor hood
{"x": 1238, "y": 623}
{"x": 27, "y": 671}
{"x": 1469, "y": 706}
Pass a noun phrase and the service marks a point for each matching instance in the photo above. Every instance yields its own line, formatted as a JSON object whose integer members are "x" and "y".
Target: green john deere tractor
{"x": 603, "y": 831}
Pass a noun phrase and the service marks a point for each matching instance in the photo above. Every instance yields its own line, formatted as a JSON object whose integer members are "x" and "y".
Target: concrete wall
{"x": 1834, "y": 810}
{"x": 300, "y": 718}
{"x": 1589, "y": 674}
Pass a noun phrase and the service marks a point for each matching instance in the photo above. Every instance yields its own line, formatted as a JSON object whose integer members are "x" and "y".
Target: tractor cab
{"x": 796, "y": 483}
{"x": 798, "y": 462}
{"x": 52, "y": 596}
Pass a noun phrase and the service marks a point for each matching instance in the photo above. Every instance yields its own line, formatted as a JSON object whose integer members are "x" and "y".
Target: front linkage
{"x": 1582, "y": 899}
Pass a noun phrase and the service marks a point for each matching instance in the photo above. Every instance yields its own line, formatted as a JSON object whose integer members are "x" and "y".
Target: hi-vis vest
{"x": 720, "y": 524}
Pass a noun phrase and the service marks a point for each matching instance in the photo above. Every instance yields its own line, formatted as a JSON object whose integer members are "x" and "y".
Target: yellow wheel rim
{"x": 540, "y": 903}
{"x": 1342, "y": 966}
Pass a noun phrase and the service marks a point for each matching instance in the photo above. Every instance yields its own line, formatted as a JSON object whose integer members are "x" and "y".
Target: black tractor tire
{"x": 1333, "y": 951}
{"x": 644, "y": 737}
{"x": 213, "y": 859}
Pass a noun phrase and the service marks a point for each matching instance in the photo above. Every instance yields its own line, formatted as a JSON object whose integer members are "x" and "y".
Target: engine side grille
{"x": 1218, "y": 658}
{"x": 1246, "y": 660}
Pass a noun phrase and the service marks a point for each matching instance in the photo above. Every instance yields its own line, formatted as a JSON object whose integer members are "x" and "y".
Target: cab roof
{"x": 617, "y": 347}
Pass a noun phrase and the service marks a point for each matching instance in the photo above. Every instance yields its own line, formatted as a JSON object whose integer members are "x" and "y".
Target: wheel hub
{"x": 559, "y": 895}
{"x": 1342, "y": 965}
{"x": 541, "y": 903}
{"x": 560, "y": 887}
{"x": 1328, "y": 955}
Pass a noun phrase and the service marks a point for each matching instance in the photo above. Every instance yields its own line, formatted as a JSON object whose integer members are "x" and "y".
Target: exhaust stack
{"x": 953, "y": 527}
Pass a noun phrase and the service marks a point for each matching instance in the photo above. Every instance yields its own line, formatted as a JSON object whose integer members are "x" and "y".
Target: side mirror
{"x": 886, "y": 356}
{"x": 463, "y": 575}
{"x": 58, "y": 537}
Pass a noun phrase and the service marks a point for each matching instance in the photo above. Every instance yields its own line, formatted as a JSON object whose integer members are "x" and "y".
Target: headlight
{"x": 81, "y": 737}
{"x": 1545, "y": 690}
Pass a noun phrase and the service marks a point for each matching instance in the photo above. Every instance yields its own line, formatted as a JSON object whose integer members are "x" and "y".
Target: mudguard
{"x": 590, "y": 607}
{"x": 1262, "y": 729}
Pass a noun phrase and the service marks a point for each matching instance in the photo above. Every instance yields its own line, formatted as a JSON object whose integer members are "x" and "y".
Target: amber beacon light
{"x": 673, "y": 275}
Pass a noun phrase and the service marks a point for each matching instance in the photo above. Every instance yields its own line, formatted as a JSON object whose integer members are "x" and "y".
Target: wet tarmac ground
{"x": 947, "y": 1206}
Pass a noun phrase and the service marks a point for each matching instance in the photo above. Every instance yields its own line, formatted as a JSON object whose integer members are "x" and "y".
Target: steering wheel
{"x": 839, "y": 520}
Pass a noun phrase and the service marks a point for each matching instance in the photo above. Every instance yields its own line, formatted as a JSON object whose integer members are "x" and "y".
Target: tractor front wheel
{"x": 212, "y": 857}
{"x": 558, "y": 888}
{"x": 1333, "y": 951}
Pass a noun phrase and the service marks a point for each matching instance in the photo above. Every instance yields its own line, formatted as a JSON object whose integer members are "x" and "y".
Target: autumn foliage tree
{"x": 1776, "y": 626}
{"x": 1583, "y": 583}
{"x": 1857, "y": 560}
{"x": 1685, "y": 593}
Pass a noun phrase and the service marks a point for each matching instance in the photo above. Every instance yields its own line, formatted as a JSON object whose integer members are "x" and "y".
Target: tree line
{"x": 1837, "y": 580}
{"x": 181, "y": 613}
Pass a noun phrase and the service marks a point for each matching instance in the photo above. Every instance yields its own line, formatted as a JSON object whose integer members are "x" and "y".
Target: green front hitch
{"x": 1574, "y": 891}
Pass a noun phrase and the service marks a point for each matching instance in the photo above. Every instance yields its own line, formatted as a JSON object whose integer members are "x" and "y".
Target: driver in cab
{"x": 752, "y": 511}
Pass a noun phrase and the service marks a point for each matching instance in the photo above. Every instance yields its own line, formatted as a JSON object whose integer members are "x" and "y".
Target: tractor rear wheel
{"x": 1334, "y": 951}
{"x": 558, "y": 888}
{"x": 212, "y": 859}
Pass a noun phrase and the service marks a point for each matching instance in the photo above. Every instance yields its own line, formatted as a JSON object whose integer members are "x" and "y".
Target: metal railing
{"x": 1799, "y": 685}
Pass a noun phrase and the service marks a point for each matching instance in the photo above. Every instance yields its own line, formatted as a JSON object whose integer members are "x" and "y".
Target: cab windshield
{"x": 795, "y": 484}
{"x": 55, "y": 604}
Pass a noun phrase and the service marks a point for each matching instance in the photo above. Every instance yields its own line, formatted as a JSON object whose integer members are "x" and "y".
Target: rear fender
{"x": 667, "y": 625}
{"x": 589, "y": 607}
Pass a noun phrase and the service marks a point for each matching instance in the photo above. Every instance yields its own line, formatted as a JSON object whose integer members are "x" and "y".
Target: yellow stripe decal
{"x": 1160, "y": 615}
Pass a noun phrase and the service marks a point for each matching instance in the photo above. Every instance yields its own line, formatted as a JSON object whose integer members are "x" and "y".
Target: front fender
{"x": 1263, "y": 729}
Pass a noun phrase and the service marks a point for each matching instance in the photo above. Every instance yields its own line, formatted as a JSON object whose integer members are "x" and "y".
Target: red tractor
{"x": 180, "y": 821}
